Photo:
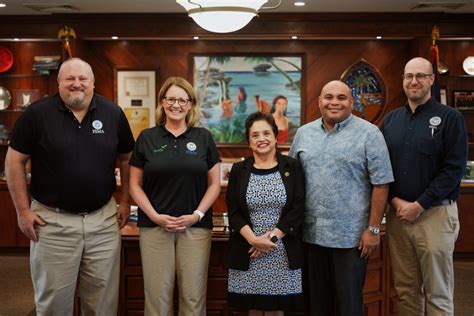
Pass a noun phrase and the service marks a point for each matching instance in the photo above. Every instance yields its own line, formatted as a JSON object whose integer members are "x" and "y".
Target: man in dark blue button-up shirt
{"x": 427, "y": 142}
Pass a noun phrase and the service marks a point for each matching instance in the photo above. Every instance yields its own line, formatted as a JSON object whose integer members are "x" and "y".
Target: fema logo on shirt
{"x": 191, "y": 148}
{"x": 435, "y": 120}
{"x": 97, "y": 127}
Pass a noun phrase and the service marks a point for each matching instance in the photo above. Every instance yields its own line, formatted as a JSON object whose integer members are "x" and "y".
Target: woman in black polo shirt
{"x": 265, "y": 197}
{"x": 174, "y": 179}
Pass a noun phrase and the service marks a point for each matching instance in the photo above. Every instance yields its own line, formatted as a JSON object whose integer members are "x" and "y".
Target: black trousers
{"x": 333, "y": 281}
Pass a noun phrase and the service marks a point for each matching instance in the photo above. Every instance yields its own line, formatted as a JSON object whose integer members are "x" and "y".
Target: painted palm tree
{"x": 211, "y": 59}
{"x": 361, "y": 85}
{"x": 272, "y": 60}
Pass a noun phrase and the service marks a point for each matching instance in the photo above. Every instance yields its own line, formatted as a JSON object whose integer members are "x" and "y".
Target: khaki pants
{"x": 75, "y": 247}
{"x": 166, "y": 255}
{"x": 422, "y": 260}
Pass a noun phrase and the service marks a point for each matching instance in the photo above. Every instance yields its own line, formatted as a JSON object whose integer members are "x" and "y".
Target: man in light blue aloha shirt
{"x": 347, "y": 168}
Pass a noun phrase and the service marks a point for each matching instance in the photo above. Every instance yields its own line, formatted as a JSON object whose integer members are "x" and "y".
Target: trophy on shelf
{"x": 5, "y": 98}
{"x": 25, "y": 97}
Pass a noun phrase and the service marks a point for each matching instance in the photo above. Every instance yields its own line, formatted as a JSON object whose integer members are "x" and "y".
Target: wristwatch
{"x": 199, "y": 213}
{"x": 274, "y": 239}
{"x": 374, "y": 229}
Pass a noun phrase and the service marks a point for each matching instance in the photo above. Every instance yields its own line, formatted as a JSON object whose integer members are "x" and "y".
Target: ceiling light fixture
{"x": 2, "y": 5}
{"x": 195, "y": 37}
{"x": 114, "y": 37}
{"x": 378, "y": 37}
{"x": 224, "y": 16}
{"x": 300, "y": 3}
{"x": 294, "y": 37}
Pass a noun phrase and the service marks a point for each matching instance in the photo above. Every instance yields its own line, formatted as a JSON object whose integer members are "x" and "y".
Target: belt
{"x": 443, "y": 202}
{"x": 59, "y": 210}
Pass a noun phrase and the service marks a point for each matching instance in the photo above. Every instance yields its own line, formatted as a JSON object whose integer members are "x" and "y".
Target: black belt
{"x": 443, "y": 202}
{"x": 60, "y": 210}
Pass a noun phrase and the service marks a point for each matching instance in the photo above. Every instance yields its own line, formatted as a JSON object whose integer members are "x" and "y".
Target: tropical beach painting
{"x": 229, "y": 88}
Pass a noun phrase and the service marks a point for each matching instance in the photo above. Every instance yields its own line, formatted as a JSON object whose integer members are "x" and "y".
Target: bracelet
{"x": 199, "y": 213}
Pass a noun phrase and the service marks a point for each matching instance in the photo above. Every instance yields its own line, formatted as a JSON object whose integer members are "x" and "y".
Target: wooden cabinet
{"x": 10, "y": 234}
{"x": 465, "y": 243}
{"x": 377, "y": 292}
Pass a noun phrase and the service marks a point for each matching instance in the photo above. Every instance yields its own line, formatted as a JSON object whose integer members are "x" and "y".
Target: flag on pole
{"x": 435, "y": 88}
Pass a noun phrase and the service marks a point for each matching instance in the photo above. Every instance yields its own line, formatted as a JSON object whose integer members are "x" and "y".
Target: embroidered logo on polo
{"x": 191, "y": 148}
{"x": 160, "y": 150}
{"x": 434, "y": 123}
{"x": 97, "y": 127}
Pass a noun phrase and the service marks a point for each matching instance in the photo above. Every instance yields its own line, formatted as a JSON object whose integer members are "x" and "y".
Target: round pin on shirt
{"x": 434, "y": 122}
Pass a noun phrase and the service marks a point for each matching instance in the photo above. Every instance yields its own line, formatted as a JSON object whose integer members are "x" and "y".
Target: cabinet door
{"x": 8, "y": 231}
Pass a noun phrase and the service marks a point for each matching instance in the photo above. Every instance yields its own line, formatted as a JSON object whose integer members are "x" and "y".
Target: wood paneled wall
{"x": 170, "y": 55}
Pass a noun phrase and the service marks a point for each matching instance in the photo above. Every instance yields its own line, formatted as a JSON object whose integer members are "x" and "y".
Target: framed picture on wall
{"x": 136, "y": 95}
{"x": 463, "y": 100}
{"x": 230, "y": 87}
{"x": 226, "y": 166}
{"x": 443, "y": 96}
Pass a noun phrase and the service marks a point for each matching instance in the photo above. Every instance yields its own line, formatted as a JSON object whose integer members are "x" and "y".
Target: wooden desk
{"x": 378, "y": 298}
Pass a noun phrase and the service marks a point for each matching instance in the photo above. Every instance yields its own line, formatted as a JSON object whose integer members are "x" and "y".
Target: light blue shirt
{"x": 340, "y": 169}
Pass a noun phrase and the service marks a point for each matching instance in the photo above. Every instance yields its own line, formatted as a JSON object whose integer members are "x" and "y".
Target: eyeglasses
{"x": 419, "y": 76}
{"x": 172, "y": 101}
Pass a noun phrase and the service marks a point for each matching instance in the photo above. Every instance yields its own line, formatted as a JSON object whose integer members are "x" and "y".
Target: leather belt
{"x": 443, "y": 202}
{"x": 60, "y": 210}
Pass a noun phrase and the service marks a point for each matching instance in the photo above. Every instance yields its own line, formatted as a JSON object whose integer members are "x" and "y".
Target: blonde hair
{"x": 194, "y": 113}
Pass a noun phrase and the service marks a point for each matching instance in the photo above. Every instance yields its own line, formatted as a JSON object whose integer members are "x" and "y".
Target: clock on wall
{"x": 468, "y": 65}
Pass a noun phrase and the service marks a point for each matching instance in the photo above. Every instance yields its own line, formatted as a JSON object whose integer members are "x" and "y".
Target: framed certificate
{"x": 135, "y": 92}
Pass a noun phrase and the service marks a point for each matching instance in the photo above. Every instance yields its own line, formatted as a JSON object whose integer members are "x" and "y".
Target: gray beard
{"x": 77, "y": 101}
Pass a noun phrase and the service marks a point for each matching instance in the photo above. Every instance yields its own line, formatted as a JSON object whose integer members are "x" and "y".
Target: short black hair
{"x": 260, "y": 116}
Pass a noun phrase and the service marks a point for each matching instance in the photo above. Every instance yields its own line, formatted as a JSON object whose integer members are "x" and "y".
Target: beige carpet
{"x": 16, "y": 295}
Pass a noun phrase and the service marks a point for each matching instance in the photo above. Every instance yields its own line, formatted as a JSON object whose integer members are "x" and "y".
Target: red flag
{"x": 435, "y": 88}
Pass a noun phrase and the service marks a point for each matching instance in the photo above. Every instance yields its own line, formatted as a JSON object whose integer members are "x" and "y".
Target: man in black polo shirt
{"x": 73, "y": 140}
{"x": 427, "y": 142}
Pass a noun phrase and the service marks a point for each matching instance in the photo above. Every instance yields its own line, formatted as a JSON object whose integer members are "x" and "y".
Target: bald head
{"x": 420, "y": 63}
{"x": 336, "y": 84}
{"x": 335, "y": 103}
{"x": 417, "y": 81}
{"x": 76, "y": 84}
{"x": 74, "y": 62}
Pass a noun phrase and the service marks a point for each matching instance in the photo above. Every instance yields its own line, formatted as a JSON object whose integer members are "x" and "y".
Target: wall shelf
{"x": 24, "y": 75}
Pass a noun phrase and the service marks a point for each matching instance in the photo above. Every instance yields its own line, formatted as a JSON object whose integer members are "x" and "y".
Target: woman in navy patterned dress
{"x": 265, "y": 197}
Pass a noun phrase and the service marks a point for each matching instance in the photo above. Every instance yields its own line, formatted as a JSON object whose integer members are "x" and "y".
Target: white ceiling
{"x": 170, "y": 6}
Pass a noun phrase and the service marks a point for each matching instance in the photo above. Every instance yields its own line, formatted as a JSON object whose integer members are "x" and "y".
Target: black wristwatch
{"x": 274, "y": 239}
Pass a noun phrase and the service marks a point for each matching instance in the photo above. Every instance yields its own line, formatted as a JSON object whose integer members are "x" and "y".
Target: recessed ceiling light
{"x": 114, "y": 37}
{"x": 294, "y": 37}
{"x": 2, "y": 5}
{"x": 195, "y": 37}
{"x": 299, "y": 3}
{"x": 16, "y": 39}
{"x": 378, "y": 37}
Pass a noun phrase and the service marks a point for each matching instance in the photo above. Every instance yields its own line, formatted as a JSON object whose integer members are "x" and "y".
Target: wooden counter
{"x": 378, "y": 296}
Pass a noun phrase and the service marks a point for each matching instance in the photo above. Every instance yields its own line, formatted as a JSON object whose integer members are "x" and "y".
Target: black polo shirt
{"x": 428, "y": 151}
{"x": 72, "y": 163}
{"x": 175, "y": 171}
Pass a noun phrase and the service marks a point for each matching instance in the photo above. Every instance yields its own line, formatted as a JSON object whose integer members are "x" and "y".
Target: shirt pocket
{"x": 430, "y": 146}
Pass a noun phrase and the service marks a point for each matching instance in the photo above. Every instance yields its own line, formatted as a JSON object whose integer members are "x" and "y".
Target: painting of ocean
{"x": 229, "y": 88}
